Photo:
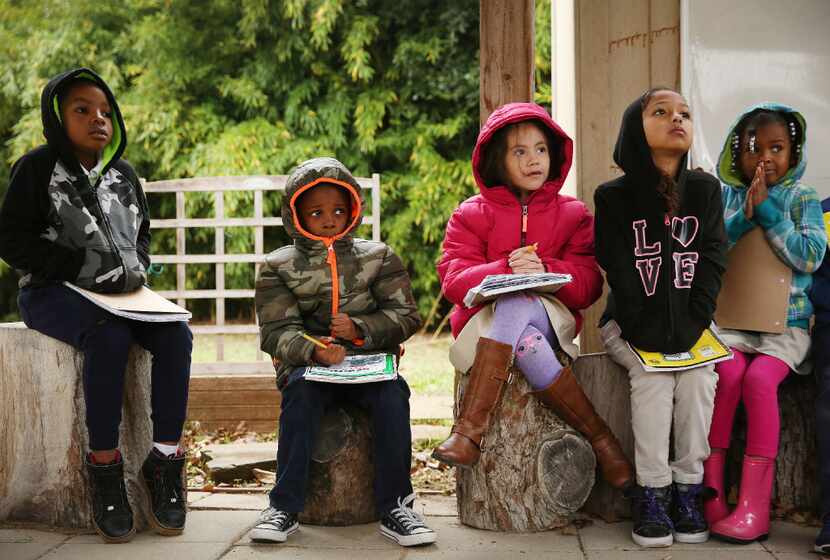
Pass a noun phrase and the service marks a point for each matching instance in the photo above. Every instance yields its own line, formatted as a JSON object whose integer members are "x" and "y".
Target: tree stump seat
{"x": 43, "y": 434}
{"x": 341, "y": 475}
{"x": 534, "y": 471}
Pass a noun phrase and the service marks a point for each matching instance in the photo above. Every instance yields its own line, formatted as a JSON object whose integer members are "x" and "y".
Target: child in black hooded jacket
{"x": 75, "y": 212}
{"x": 660, "y": 239}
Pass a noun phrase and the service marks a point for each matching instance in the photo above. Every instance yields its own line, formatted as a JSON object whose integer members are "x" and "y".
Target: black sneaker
{"x": 822, "y": 545}
{"x": 687, "y": 513}
{"x": 405, "y": 526}
{"x": 111, "y": 511}
{"x": 162, "y": 476}
{"x": 652, "y": 525}
{"x": 274, "y": 526}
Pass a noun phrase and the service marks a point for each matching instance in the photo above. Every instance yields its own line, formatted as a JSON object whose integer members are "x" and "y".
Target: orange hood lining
{"x": 355, "y": 206}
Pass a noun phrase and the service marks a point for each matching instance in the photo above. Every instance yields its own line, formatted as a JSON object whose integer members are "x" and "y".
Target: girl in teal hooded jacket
{"x": 760, "y": 168}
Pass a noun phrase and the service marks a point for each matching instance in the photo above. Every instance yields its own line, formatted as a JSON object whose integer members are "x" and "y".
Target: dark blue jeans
{"x": 821, "y": 357}
{"x": 303, "y": 405}
{"x": 105, "y": 340}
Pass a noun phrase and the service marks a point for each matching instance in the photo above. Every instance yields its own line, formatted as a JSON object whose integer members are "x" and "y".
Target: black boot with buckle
{"x": 163, "y": 478}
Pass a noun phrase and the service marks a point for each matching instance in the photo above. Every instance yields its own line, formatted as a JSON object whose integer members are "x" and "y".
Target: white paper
{"x": 497, "y": 284}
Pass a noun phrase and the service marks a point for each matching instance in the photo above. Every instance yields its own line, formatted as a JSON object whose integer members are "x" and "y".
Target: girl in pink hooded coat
{"x": 519, "y": 223}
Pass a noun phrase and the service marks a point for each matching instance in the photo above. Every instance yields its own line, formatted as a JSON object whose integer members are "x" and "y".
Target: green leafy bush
{"x": 240, "y": 87}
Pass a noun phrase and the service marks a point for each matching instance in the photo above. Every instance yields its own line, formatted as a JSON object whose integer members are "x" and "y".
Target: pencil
{"x": 314, "y": 340}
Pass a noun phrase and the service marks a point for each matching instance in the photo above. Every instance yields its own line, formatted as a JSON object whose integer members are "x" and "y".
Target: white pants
{"x": 686, "y": 396}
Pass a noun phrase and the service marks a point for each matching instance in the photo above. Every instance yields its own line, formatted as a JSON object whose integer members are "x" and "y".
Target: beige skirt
{"x": 463, "y": 349}
{"x": 791, "y": 346}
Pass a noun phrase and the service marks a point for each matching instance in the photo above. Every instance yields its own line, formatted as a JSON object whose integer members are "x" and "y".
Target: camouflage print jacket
{"x": 59, "y": 223}
{"x": 301, "y": 286}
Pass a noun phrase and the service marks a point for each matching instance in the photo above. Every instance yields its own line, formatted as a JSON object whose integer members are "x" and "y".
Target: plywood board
{"x": 756, "y": 287}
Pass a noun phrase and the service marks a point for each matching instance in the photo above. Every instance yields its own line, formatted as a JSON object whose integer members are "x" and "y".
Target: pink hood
{"x": 485, "y": 228}
{"x": 511, "y": 113}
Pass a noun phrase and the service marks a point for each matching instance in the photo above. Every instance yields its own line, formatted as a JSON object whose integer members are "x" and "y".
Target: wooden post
{"x": 622, "y": 49}
{"x": 506, "y": 60}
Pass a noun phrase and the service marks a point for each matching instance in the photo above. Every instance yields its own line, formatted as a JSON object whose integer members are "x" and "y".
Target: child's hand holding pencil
{"x": 325, "y": 352}
{"x": 524, "y": 260}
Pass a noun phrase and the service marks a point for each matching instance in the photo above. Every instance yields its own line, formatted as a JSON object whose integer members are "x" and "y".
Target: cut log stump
{"x": 340, "y": 485}
{"x": 43, "y": 435}
{"x": 534, "y": 471}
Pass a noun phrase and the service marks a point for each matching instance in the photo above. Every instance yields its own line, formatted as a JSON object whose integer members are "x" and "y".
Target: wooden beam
{"x": 622, "y": 48}
{"x": 506, "y": 58}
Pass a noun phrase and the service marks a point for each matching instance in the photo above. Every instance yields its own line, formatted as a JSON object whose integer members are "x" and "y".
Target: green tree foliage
{"x": 241, "y": 87}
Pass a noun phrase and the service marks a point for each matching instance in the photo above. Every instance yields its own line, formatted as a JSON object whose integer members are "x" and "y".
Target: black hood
{"x": 53, "y": 128}
{"x": 632, "y": 154}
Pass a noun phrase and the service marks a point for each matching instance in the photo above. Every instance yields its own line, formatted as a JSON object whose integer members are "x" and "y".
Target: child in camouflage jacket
{"x": 357, "y": 294}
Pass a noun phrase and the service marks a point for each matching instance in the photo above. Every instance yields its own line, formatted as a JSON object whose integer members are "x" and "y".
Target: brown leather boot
{"x": 487, "y": 378}
{"x": 566, "y": 398}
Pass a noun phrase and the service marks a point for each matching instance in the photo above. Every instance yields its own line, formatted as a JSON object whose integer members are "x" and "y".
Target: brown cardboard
{"x": 756, "y": 287}
{"x": 143, "y": 300}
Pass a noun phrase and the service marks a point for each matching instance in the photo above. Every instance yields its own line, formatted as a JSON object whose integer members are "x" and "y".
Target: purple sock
{"x": 521, "y": 321}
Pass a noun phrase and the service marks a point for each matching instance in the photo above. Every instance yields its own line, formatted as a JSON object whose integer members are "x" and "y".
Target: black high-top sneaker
{"x": 649, "y": 509}
{"x": 111, "y": 512}
{"x": 687, "y": 513}
{"x": 168, "y": 505}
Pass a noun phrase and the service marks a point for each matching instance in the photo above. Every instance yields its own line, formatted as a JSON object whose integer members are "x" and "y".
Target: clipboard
{"x": 755, "y": 293}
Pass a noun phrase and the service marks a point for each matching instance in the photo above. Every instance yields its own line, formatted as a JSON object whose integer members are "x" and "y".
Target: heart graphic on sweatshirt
{"x": 684, "y": 230}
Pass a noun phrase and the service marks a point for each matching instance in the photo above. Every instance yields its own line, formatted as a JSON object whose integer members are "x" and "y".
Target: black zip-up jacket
{"x": 664, "y": 271}
{"x": 58, "y": 224}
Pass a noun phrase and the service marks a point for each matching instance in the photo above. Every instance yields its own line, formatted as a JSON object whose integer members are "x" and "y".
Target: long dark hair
{"x": 492, "y": 168}
{"x": 666, "y": 187}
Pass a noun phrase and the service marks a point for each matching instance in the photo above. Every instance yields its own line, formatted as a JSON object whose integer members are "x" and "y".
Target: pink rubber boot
{"x": 750, "y": 520}
{"x": 715, "y": 509}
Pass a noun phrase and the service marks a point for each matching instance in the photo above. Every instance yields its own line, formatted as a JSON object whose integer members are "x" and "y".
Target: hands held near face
{"x": 757, "y": 192}
{"x": 524, "y": 260}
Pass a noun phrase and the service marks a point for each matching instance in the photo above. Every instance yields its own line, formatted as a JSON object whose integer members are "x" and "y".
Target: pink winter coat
{"x": 485, "y": 228}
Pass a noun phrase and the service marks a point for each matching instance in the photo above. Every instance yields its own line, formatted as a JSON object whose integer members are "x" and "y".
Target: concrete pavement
{"x": 218, "y": 527}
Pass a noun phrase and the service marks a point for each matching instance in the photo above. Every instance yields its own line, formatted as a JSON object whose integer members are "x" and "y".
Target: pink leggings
{"x": 755, "y": 378}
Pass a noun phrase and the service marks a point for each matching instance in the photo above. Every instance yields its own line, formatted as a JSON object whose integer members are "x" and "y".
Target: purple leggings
{"x": 521, "y": 321}
{"x": 755, "y": 379}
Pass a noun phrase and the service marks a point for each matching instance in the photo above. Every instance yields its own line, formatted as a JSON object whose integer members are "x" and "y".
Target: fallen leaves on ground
{"x": 428, "y": 475}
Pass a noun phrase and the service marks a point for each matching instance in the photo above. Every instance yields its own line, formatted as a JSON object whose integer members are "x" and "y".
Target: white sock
{"x": 166, "y": 450}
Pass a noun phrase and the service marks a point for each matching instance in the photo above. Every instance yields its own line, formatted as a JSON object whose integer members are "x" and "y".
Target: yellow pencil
{"x": 314, "y": 340}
